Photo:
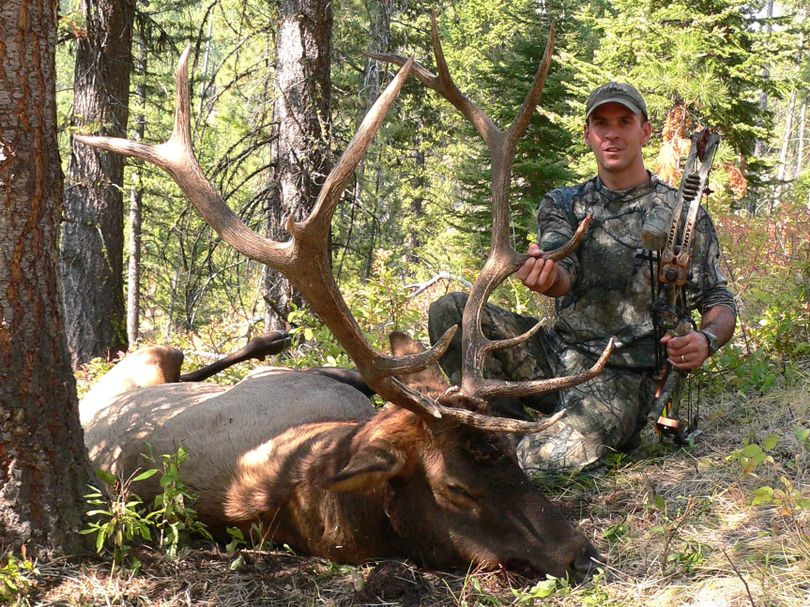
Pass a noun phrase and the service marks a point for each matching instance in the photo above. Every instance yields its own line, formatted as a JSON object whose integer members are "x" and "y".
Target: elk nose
{"x": 585, "y": 565}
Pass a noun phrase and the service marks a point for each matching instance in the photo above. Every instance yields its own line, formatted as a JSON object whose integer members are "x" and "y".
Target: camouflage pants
{"x": 603, "y": 415}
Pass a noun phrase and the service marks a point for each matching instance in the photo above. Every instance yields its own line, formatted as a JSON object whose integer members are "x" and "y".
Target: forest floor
{"x": 677, "y": 527}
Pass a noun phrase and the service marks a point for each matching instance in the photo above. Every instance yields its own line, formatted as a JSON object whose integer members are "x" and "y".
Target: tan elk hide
{"x": 155, "y": 365}
{"x": 219, "y": 426}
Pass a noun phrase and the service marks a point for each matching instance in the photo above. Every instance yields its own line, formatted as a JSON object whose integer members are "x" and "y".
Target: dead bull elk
{"x": 433, "y": 477}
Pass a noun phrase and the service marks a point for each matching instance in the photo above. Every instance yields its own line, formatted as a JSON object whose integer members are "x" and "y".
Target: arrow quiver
{"x": 670, "y": 312}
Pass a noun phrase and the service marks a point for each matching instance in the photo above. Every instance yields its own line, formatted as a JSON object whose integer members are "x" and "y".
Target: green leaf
{"x": 762, "y": 496}
{"x": 753, "y": 450}
{"x": 614, "y": 531}
{"x": 106, "y": 477}
{"x": 544, "y": 589}
{"x": 770, "y": 442}
{"x": 145, "y": 475}
{"x": 102, "y": 534}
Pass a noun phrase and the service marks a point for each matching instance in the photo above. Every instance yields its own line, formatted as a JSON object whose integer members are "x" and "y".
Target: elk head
{"x": 475, "y": 504}
{"x": 459, "y": 442}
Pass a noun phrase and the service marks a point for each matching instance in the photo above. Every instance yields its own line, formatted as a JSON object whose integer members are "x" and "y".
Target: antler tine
{"x": 495, "y": 424}
{"x": 319, "y": 221}
{"x": 492, "y": 388}
{"x": 485, "y": 126}
{"x": 416, "y": 362}
{"x": 182, "y": 104}
{"x": 495, "y": 387}
{"x": 502, "y": 344}
{"x": 176, "y": 157}
{"x": 557, "y": 254}
{"x": 443, "y": 84}
{"x": 524, "y": 115}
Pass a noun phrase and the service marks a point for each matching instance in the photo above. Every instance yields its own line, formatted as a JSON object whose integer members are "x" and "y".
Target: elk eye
{"x": 459, "y": 492}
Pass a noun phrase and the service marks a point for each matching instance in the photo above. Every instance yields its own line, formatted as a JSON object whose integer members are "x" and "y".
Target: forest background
{"x": 418, "y": 207}
{"x": 415, "y": 223}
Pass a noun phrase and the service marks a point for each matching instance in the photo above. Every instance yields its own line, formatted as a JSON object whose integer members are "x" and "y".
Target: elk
{"x": 157, "y": 365}
{"x": 431, "y": 477}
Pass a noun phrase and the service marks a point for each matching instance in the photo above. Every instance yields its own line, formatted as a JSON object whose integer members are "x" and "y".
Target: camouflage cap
{"x": 615, "y": 92}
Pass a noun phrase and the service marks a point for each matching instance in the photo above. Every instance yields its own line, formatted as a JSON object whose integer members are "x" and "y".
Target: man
{"x": 601, "y": 290}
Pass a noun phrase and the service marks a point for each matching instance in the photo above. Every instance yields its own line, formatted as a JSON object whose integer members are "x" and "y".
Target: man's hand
{"x": 543, "y": 275}
{"x": 687, "y": 352}
{"x": 691, "y": 350}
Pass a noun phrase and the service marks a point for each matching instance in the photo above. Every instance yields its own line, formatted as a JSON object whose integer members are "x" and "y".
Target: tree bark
{"x": 799, "y": 167}
{"x": 136, "y": 207}
{"x": 301, "y": 115}
{"x": 92, "y": 246}
{"x": 44, "y": 469}
{"x": 379, "y": 42}
{"x": 782, "y": 166}
{"x": 760, "y": 145}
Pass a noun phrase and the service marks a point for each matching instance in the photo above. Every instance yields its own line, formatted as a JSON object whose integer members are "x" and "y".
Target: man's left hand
{"x": 687, "y": 352}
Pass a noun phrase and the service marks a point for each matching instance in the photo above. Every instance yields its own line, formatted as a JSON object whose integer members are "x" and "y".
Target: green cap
{"x": 615, "y": 92}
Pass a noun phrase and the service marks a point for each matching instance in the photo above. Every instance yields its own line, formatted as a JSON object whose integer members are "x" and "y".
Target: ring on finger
{"x": 682, "y": 358}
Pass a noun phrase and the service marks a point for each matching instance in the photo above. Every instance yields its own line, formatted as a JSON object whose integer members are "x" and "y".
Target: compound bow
{"x": 669, "y": 307}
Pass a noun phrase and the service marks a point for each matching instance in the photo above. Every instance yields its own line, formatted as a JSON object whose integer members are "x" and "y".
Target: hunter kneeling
{"x": 601, "y": 290}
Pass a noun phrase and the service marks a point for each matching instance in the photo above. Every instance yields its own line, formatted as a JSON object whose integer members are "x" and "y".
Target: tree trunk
{"x": 92, "y": 246}
{"x": 803, "y": 111}
{"x": 379, "y": 42}
{"x": 44, "y": 468}
{"x": 136, "y": 207}
{"x": 301, "y": 115}
{"x": 799, "y": 167}
{"x": 781, "y": 168}
{"x": 761, "y": 144}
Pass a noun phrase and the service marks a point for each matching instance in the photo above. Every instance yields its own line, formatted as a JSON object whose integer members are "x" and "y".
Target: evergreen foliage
{"x": 421, "y": 200}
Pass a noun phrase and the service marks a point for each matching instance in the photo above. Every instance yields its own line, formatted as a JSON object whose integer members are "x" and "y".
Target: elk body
{"x": 157, "y": 365}
{"x": 431, "y": 477}
{"x": 218, "y": 426}
{"x": 309, "y": 458}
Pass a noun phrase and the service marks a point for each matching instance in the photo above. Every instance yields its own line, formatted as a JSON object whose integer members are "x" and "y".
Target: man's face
{"x": 616, "y": 136}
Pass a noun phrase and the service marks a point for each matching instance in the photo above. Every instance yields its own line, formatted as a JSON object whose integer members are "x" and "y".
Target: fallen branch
{"x": 739, "y": 575}
{"x": 420, "y": 287}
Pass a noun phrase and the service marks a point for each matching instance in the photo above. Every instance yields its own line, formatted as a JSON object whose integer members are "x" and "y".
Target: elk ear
{"x": 368, "y": 468}
{"x": 403, "y": 344}
{"x": 430, "y": 381}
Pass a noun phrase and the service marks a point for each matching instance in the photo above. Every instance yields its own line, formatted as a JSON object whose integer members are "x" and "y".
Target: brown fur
{"x": 438, "y": 493}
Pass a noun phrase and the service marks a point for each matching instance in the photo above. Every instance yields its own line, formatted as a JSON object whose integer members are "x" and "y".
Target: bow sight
{"x": 670, "y": 312}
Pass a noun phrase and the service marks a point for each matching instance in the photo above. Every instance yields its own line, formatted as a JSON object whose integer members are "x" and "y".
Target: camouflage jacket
{"x": 610, "y": 293}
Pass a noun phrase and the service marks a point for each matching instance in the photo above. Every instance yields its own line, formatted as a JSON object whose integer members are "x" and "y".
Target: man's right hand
{"x": 543, "y": 275}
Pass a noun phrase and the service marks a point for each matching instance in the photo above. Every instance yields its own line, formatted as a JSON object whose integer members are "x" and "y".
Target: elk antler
{"x": 304, "y": 259}
{"x": 502, "y": 260}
